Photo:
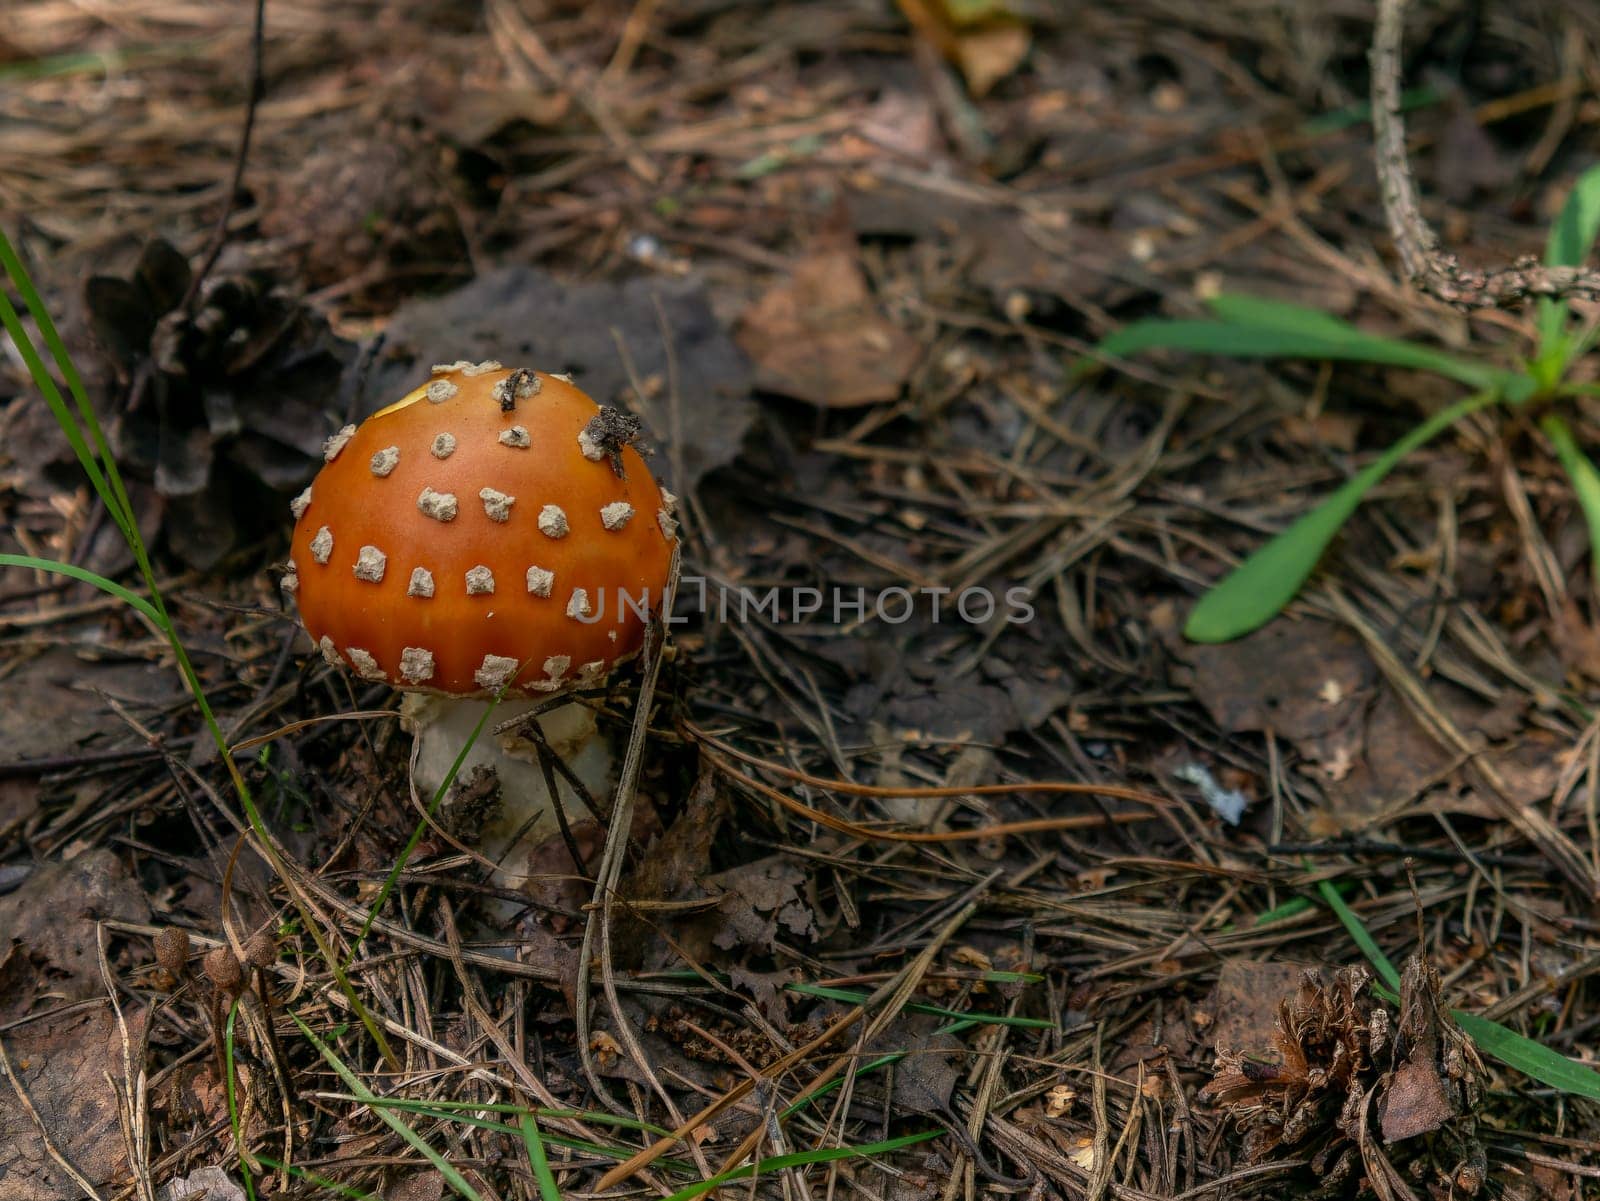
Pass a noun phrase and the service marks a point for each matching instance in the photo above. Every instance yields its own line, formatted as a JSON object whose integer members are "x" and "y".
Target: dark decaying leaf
{"x": 819, "y": 336}
{"x": 652, "y": 332}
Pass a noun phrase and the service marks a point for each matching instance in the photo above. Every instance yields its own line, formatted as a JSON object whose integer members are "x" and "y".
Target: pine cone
{"x": 227, "y": 405}
{"x": 1354, "y": 1088}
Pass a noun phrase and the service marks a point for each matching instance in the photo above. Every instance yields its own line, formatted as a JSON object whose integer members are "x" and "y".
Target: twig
{"x": 219, "y": 236}
{"x": 1428, "y": 265}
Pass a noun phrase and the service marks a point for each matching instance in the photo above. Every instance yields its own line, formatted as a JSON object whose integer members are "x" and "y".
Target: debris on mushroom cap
{"x": 393, "y": 565}
{"x": 521, "y": 384}
{"x": 300, "y": 504}
{"x": 608, "y": 433}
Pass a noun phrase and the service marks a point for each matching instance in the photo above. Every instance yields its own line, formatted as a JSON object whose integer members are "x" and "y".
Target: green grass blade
{"x": 850, "y": 996}
{"x": 801, "y": 1159}
{"x": 1358, "y": 933}
{"x": 344, "y": 1190}
{"x": 440, "y": 1106}
{"x": 53, "y": 398}
{"x": 56, "y": 567}
{"x": 82, "y": 429}
{"x": 353, "y": 1082}
{"x": 1571, "y": 238}
{"x": 1258, "y": 589}
{"x": 548, "y": 1190}
{"x": 1532, "y": 1059}
{"x": 1361, "y": 112}
{"x": 1293, "y": 334}
{"x": 1240, "y": 309}
{"x": 234, "y": 1120}
{"x": 1585, "y": 479}
{"x": 443, "y": 791}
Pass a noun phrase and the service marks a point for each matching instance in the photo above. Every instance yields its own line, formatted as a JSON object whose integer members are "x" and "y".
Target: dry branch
{"x": 1428, "y": 265}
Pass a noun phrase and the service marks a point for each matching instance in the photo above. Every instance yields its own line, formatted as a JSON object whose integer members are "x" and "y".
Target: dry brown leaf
{"x": 983, "y": 39}
{"x": 819, "y": 337}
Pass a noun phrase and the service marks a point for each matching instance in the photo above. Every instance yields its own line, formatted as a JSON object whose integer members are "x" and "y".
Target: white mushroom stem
{"x": 526, "y": 818}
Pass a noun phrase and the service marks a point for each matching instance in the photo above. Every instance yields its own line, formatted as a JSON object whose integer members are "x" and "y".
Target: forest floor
{"x": 842, "y": 256}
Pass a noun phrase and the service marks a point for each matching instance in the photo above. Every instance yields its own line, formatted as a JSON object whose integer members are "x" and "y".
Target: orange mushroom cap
{"x": 493, "y": 528}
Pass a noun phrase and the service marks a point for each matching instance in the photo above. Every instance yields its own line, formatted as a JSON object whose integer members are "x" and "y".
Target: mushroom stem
{"x": 524, "y": 817}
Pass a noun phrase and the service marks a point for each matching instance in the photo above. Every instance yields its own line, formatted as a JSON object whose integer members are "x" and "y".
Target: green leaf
{"x": 1257, "y": 329}
{"x": 1255, "y": 591}
{"x": 1242, "y": 309}
{"x": 353, "y": 1082}
{"x": 1571, "y": 239}
{"x": 1532, "y": 1059}
{"x": 1585, "y": 479}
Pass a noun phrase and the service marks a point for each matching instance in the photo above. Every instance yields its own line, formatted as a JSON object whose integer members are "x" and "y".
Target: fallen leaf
{"x": 1244, "y": 1005}
{"x": 758, "y": 899}
{"x": 213, "y": 1184}
{"x": 61, "y": 1063}
{"x": 53, "y": 916}
{"x": 819, "y": 337}
{"x": 982, "y": 37}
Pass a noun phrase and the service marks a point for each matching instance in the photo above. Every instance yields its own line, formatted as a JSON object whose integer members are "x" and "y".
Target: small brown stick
{"x": 1428, "y": 265}
{"x": 724, "y": 752}
{"x": 597, "y": 929}
{"x": 219, "y": 236}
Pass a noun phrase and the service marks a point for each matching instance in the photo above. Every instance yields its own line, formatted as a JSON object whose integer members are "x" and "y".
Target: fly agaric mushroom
{"x": 492, "y": 532}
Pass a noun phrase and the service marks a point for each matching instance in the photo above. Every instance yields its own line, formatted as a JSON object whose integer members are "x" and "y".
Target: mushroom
{"x": 464, "y": 543}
